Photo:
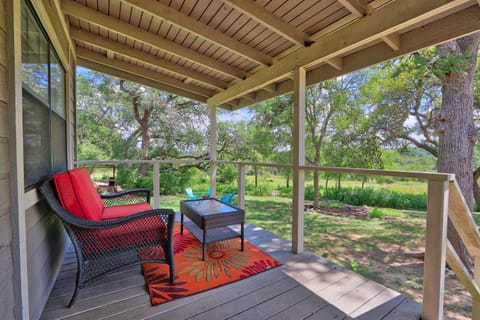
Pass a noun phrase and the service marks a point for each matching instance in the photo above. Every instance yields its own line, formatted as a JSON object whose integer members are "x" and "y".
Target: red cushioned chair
{"x": 109, "y": 232}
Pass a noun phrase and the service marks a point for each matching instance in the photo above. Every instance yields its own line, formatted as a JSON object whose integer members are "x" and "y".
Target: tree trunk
{"x": 476, "y": 186}
{"x": 456, "y": 127}
{"x": 316, "y": 190}
{"x": 288, "y": 180}
{"x": 256, "y": 176}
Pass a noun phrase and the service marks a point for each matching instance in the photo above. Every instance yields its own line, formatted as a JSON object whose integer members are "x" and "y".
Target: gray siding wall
{"x": 6, "y": 265}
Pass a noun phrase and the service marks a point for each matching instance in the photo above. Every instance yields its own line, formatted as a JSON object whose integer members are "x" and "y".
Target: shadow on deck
{"x": 305, "y": 287}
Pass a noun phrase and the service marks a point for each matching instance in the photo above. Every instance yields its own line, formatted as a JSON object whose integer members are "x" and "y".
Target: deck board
{"x": 305, "y": 287}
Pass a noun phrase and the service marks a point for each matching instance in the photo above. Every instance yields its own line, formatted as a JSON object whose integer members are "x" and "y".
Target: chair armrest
{"x": 112, "y": 223}
{"x": 126, "y": 197}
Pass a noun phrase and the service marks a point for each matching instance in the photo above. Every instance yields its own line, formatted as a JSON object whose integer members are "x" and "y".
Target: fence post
{"x": 241, "y": 186}
{"x": 435, "y": 250}
{"x": 156, "y": 185}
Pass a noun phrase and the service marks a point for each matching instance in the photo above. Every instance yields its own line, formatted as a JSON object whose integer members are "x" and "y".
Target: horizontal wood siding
{"x": 6, "y": 258}
{"x": 45, "y": 250}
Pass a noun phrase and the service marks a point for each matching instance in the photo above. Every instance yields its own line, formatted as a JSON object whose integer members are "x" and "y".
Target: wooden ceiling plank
{"x": 138, "y": 79}
{"x": 146, "y": 73}
{"x": 335, "y": 62}
{"x": 447, "y": 28}
{"x": 97, "y": 18}
{"x": 145, "y": 57}
{"x": 192, "y": 25}
{"x": 393, "y": 40}
{"x": 270, "y": 20}
{"x": 385, "y": 21}
{"x": 358, "y": 9}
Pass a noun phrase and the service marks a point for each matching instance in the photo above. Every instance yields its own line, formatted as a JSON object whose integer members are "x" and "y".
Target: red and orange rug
{"x": 225, "y": 263}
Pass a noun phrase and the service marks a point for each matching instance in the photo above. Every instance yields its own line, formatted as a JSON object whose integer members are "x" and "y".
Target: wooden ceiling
{"x": 234, "y": 53}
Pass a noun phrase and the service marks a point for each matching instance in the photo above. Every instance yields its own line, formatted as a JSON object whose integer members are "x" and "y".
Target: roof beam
{"x": 335, "y": 62}
{"x": 82, "y": 12}
{"x": 450, "y": 27}
{"x": 98, "y": 58}
{"x": 389, "y": 19}
{"x": 357, "y": 8}
{"x": 138, "y": 79}
{"x": 193, "y": 26}
{"x": 271, "y": 21}
{"x": 393, "y": 40}
{"x": 101, "y": 42}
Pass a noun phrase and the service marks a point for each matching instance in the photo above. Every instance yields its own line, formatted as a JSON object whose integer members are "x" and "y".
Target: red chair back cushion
{"x": 87, "y": 195}
{"x": 66, "y": 194}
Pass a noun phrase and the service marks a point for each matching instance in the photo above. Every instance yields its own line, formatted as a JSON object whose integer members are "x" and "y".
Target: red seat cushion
{"x": 124, "y": 210}
{"x": 67, "y": 195}
{"x": 87, "y": 195}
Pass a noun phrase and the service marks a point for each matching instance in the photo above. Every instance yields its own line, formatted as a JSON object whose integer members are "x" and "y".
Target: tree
{"x": 455, "y": 122}
{"x": 429, "y": 103}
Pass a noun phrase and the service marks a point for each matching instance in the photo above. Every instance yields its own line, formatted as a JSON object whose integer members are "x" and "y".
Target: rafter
{"x": 86, "y": 54}
{"x": 138, "y": 79}
{"x": 335, "y": 62}
{"x": 271, "y": 21}
{"x": 193, "y": 26}
{"x": 82, "y": 12}
{"x": 358, "y": 8}
{"x": 139, "y": 55}
{"x": 450, "y": 27}
{"x": 393, "y": 41}
{"x": 385, "y": 21}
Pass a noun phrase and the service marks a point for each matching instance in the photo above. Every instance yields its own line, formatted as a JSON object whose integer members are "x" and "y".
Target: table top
{"x": 211, "y": 206}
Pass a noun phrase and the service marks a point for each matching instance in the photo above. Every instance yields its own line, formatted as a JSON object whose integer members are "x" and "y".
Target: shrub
{"x": 376, "y": 198}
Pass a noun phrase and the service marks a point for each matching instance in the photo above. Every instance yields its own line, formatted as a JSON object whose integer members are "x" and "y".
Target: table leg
{"x": 204, "y": 245}
{"x": 181, "y": 223}
{"x": 242, "y": 234}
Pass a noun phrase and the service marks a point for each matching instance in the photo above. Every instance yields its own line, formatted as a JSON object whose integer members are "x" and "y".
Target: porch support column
{"x": 298, "y": 159}
{"x": 241, "y": 186}
{"x": 213, "y": 150}
{"x": 18, "y": 265}
{"x": 435, "y": 250}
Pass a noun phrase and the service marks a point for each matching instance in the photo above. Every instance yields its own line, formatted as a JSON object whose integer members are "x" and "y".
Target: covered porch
{"x": 305, "y": 287}
{"x": 228, "y": 54}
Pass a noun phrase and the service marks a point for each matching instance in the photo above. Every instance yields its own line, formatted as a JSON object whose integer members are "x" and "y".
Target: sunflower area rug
{"x": 224, "y": 264}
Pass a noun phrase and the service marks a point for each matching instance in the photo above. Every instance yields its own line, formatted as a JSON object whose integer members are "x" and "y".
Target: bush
{"x": 171, "y": 180}
{"x": 376, "y": 198}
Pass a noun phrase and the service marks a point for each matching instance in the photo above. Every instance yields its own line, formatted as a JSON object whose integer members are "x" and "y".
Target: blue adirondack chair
{"x": 191, "y": 195}
{"x": 227, "y": 198}
{"x": 207, "y": 194}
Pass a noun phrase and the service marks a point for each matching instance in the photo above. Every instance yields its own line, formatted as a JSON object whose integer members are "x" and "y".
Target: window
{"x": 43, "y": 84}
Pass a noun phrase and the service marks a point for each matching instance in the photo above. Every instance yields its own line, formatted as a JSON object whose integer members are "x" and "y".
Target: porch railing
{"x": 444, "y": 200}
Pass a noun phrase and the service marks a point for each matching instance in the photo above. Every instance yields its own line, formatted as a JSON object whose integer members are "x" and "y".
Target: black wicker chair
{"x": 106, "y": 246}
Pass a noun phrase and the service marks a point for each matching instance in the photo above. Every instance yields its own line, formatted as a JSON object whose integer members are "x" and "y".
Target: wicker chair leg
{"x": 74, "y": 297}
{"x": 172, "y": 272}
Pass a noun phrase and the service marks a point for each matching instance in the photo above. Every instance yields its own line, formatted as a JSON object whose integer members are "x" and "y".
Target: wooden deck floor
{"x": 305, "y": 287}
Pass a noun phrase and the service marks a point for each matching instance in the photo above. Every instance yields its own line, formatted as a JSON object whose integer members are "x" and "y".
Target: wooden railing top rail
{"x": 377, "y": 172}
{"x": 461, "y": 218}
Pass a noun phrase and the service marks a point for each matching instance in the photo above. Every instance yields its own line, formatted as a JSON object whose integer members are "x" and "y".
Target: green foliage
{"x": 172, "y": 180}
{"x": 260, "y": 190}
{"x": 375, "y": 198}
{"x": 377, "y": 213}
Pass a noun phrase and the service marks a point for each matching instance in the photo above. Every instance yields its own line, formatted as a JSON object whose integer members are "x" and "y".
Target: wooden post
{"x": 213, "y": 151}
{"x": 13, "y": 10}
{"x": 476, "y": 278}
{"x": 156, "y": 185}
{"x": 241, "y": 186}
{"x": 298, "y": 160}
{"x": 435, "y": 250}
